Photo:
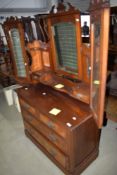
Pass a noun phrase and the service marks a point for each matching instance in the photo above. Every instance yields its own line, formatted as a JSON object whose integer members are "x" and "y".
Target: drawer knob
{"x": 29, "y": 130}
{"x": 52, "y": 138}
{"x": 30, "y": 118}
{"x": 26, "y": 105}
{"x": 51, "y": 125}
{"x": 53, "y": 153}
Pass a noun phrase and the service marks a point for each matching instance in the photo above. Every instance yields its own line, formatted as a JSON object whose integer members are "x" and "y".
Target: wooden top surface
{"x": 44, "y": 99}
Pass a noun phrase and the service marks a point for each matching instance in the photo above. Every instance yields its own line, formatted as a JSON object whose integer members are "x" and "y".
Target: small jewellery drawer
{"x": 59, "y": 129}
{"x": 26, "y": 106}
{"x": 47, "y": 132}
{"x": 53, "y": 151}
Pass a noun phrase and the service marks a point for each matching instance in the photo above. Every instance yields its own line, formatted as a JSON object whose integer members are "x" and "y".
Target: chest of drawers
{"x": 62, "y": 127}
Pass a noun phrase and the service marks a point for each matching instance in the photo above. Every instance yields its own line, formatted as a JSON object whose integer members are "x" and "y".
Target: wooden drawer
{"x": 51, "y": 135}
{"x": 26, "y": 106}
{"x": 53, "y": 151}
{"x": 59, "y": 129}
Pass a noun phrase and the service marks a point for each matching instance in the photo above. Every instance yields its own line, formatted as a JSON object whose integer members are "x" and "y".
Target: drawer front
{"x": 26, "y": 106}
{"x": 51, "y": 135}
{"x": 59, "y": 129}
{"x": 53, "y": 151}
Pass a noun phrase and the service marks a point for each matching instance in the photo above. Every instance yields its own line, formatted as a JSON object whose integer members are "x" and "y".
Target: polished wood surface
{"x": 60, "y": 114}
{"x": 99, "y": 56}
{"x": 15, "y": 23}
{"x": 34, "y": 49}
{"x": 71, "y": 17}
{"x": 74, "y": 126}
{"x": 47, "y": 131}
{"x": 73, "y": 87}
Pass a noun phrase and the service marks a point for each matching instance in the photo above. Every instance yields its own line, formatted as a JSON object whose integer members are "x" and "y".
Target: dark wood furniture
{"x": 63, "y": 113}
{"x": 29, "y": 54}
{"x": 15, "y": 37}
{"x": 69, "y": 138}
{"x": 5, "y": 61}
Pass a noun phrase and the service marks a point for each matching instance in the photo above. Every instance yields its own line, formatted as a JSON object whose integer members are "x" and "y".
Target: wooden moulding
{"x": 98, "y": 4}
{"x": 72, "y": 15}
{"x": 36, "y": 56}
{"x": 81, "y": 139}
{"x": 78, "y": 90}
{"x": 79, "y": 169}
{"x": 99, "y": 55}
{"x": 10, "y": 23}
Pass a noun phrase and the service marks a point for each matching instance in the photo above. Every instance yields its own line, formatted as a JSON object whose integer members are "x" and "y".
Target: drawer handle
{"x": 53, "y": 153}
{"x": 52, "y": 138}
{"x": 30, "y": 118}
{"x": 51, "y": 125}
{"x": 29, "y": 130}
{"x": 26, "y": 105}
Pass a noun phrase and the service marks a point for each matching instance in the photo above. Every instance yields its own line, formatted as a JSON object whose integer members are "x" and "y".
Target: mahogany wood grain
{"x": 54, "y": 152}
{"x": 80, "y": 139}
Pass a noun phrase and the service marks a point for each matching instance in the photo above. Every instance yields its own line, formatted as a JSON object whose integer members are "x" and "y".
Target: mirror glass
{"x": 66, "y": 49}
{"x": 96, "y": 67}
{"x": 17, "y": 50}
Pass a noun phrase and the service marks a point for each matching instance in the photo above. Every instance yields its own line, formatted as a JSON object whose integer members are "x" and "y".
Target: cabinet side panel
{"x": 86, "y": 140}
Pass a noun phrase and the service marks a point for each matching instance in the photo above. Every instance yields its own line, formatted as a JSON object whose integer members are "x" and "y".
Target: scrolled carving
{"x": 62, "y": 7}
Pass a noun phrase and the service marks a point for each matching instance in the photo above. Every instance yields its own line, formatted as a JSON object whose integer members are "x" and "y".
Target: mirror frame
{"x": 9, "y": 24}
{"x": 74, "y": 17}
{"x": 100, "y": 12}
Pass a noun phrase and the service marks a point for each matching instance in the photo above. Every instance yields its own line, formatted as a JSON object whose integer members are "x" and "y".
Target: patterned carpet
{"x": 111, "y": 108}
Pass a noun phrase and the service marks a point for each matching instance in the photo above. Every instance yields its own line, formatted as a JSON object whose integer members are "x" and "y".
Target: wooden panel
{"x": 74, "y": 128}
{"x": 35, "y": 52}
{"x": 58, "y": 155}
{"x": 86, "y": 58}
{"x": 99, "y": 55}
{"x": 54, "y": 126}
{"x": 26, "y": 106}
{"x": 65, "y": 41}
{"x": 45, "y": 99}
{"x": 52, "y": 136}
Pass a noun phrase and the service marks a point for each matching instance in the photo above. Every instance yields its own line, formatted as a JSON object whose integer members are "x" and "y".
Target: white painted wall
{"x": 23, "y": 3}
{"x": 82, "y": 5}
{"x": 42, "y": 5}
{"x": 113, "y": 2}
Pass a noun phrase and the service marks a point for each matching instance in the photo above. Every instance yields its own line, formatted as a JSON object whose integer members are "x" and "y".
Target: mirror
{"x": 66, "y": 49}
{"x": 17, "y": 50}
{"x": 96, "y": 67}
{"x": 85, "y": 26}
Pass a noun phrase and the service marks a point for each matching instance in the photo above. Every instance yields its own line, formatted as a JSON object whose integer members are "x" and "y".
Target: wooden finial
{"x": 61, "y": 7}
{"x": 71, "y": 7}
{"x": 52, "y": 9}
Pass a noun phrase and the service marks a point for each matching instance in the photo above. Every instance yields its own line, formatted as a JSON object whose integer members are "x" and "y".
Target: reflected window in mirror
{"x": 85, "y": 27}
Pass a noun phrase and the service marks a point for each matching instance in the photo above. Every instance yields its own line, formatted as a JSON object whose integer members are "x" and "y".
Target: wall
{"x": 23, "y": 3}
{"x": 23, "y": 7}
{"x": 32, "y": 7}
{"x": 113, "y": 2}
{"x": 82, "y": 5}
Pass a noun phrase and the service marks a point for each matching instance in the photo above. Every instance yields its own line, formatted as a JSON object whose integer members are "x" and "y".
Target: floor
{"x": 19, "y": 156}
